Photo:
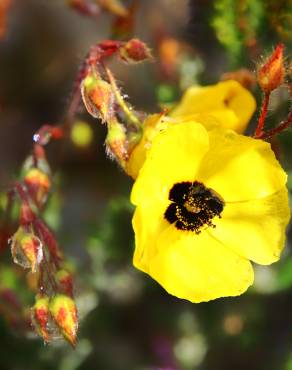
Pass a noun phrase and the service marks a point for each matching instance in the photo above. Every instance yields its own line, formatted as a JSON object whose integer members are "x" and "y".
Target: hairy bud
{"x": 26, "y": 249}
{"x": 135, "y": 51}
{"x": 64, "y": 313}
{"x": 116, "y": 142}
{"x": 38, "y": 184}
{"x": 41, "y": 317}
{"x": 98, "y": 97}
{"x": 65, "y": 282}
{"x": 271, "y": 73}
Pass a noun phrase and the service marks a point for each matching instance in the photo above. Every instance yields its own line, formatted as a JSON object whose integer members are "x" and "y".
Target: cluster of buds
{"x": 34, "y": 247}
{"x": 104, "y": 100}
{"x": 52, "y": 316}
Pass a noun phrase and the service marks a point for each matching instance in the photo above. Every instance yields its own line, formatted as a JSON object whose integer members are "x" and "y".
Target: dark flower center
{"x": 193, "y": 206}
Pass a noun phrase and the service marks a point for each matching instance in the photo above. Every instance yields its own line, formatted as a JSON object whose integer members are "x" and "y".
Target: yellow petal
{"x": 228, "y": 102}
{"x": 170, "y": 159}
{"x": 240, "y": 168}
{"x": 255, "y": 229}
{"x": 198, "y": 267}
{"x": 148, "y": 222}
{"x": 151, "y": 126}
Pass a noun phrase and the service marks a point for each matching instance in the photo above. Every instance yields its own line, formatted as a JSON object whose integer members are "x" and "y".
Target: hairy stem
{"x": 274, "y": 131}
{"x": 263, "y": 115}
{"x": 130, "y": 115}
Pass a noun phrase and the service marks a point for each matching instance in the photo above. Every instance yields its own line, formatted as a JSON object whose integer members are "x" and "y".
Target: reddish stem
{"x": 264, "y": 110}
{"x": 21, "y": 192}
{"x": 41, "y": 285}
{"x": 48, "y": 239}
{"x": 274, "y": 131}
{"x": 46, "y": 263}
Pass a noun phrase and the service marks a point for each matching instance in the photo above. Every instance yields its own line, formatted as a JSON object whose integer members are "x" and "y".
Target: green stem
{"x": 130, "y": 115}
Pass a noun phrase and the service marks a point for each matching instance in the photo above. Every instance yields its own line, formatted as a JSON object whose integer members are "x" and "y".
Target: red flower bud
{"x": 38, "y": 184}
{"x": 65, "y": 280}
{"x": 271, "y": 74}
{"x": 41, "y": 317}
{"x": 26, "y": 249}
{"x": 98, "y": 97}
{"x": 64, "y": 313}
{"x": 135, "y": 51}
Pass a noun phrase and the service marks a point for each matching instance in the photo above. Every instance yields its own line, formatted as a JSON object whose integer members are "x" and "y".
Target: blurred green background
{"x": 127, "y": 321}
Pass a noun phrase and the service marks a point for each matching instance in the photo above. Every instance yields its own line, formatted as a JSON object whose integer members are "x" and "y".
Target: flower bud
{"x": 64, "y": 313}
{"x": 38, "y": 184}
{"x": 98, "y": 97}
{"x": 116, "y": 142}
{"x": 65, "y": 281}
{"x": 26, "y": 249}
{"x": 41, "y": 316}
{"x": 135, "y": 51}
{"x": 271, "y": 74}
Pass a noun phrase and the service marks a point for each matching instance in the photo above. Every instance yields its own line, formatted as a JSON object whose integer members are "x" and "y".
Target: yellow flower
{"x": 208, "y": 203}
{"x": 228, "y": 103}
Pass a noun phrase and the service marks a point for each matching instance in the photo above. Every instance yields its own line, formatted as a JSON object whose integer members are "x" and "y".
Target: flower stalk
{"x": 134, "y": 120}
{"x": 277, "y": 130}
{"x": 263, "y": 115}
